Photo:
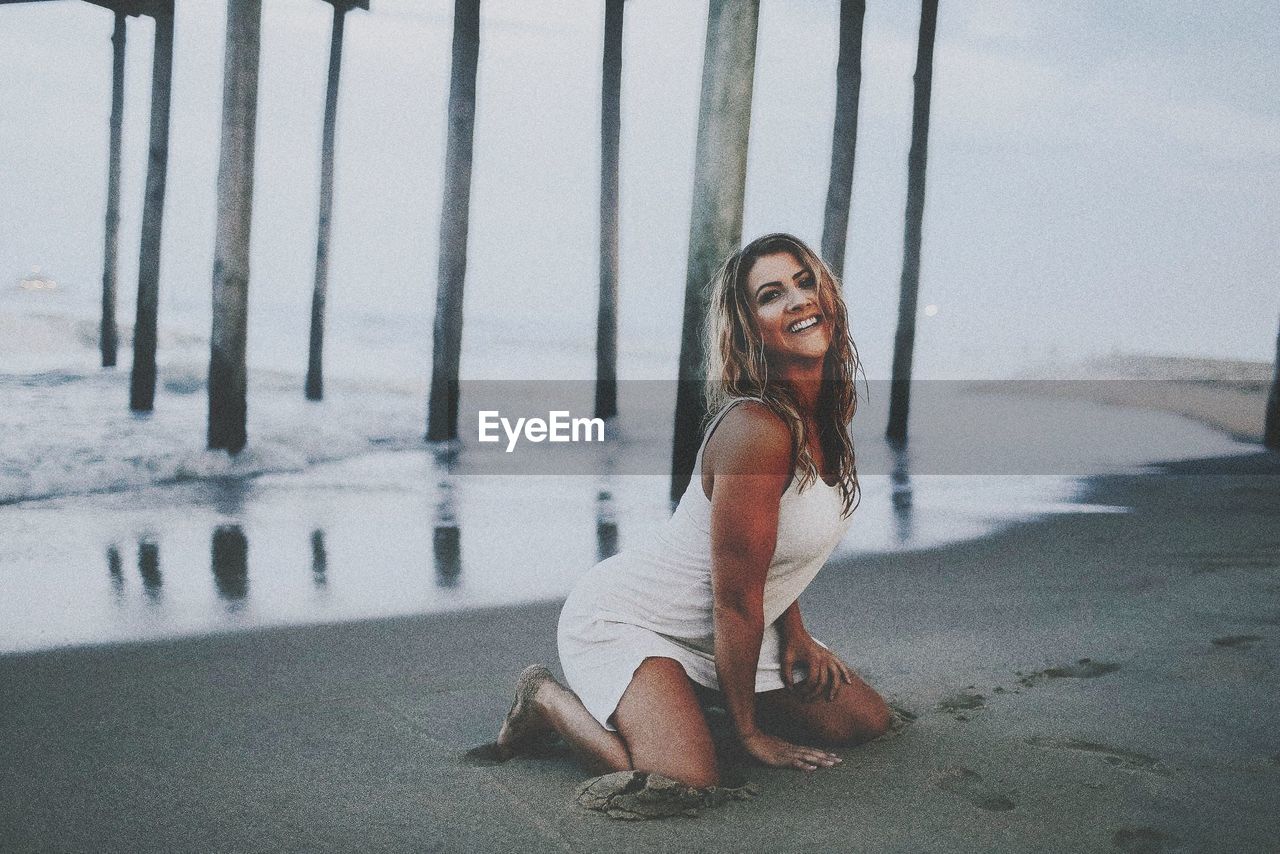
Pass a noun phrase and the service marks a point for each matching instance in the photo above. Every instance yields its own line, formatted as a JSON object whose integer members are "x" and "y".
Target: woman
{"x": 709, "y": 603}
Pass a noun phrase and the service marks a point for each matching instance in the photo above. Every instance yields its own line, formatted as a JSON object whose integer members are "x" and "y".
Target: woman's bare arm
{"x": 749, "y": 457}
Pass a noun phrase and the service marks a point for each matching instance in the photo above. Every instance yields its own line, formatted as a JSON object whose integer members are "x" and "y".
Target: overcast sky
{"x": 1101, "y": 175}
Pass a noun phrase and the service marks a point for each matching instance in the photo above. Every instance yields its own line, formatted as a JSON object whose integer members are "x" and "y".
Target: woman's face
{"x": 783, "y": 294}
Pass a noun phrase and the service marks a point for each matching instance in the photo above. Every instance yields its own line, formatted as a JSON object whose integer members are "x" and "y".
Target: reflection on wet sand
{"x": 319, "y": 561}
{"x": 229, "y": 544}
{"x": 228, "y": 495}
{"x": 446, "y": 538}
{"x": 229, "y": 555}
{"x": 115, "y": 570}
{"x": 606, "y": 526}
{"x": 900, "y": 484}
{"x": 149, "y": 568}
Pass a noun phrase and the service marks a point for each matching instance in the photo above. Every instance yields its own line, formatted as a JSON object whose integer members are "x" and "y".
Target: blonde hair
{"x": 737, "y": 367}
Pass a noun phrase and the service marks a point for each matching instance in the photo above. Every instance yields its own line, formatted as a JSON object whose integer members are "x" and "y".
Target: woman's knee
{"x": 698, "y": 774}
{"x": 865, "y": 721}
{"x": 851, "y": 721}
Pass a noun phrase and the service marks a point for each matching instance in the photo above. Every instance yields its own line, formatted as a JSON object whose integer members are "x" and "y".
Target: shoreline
{"x": 1225, "y": 394}
{"x": 1074, "y": 666}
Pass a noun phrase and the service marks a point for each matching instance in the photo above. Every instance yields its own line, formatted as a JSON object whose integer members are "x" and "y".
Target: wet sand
{"x": 1082, "y": 682}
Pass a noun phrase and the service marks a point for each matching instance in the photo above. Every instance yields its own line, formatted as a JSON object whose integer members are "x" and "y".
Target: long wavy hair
{"x": 737, "y": 365}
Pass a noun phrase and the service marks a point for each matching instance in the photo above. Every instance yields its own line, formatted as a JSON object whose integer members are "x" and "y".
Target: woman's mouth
{"x": 805, "y": 324}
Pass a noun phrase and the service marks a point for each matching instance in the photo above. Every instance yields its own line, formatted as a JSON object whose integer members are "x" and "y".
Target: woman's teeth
{"x": 803, "y": 325}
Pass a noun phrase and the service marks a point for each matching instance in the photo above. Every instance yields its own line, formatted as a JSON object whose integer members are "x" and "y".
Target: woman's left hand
{"x": 825, "y": 672}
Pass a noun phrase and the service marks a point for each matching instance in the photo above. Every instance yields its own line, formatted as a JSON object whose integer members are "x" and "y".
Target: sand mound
{"x": 637, "y": 795}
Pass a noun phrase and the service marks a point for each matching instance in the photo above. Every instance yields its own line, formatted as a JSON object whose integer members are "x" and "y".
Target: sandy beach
{"x": 1229, "y": 395}
{"x": 1085, "y": 682}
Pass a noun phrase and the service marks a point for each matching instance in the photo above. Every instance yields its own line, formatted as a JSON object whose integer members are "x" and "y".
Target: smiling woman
{"x": 787, "y": 311}
{"x": 705, "y": 610}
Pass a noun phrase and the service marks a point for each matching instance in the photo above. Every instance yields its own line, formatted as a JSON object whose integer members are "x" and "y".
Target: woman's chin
{"x": 798, "y": 359}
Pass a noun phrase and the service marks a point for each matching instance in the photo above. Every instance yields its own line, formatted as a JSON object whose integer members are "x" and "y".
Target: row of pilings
{"x": 715, "y": 228}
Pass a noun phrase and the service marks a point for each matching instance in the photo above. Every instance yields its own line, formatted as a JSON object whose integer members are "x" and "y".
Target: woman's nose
{"x": 798, "y": 299}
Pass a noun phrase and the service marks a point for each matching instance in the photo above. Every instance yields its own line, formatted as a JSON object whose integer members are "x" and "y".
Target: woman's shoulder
{"x": 750, "y": 437}
{"x": 754, "y": 413}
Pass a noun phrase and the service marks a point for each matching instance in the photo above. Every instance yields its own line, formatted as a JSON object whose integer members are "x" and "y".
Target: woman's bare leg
{"x": 663, "y": 726}
{"x": 857, "y": 714}
{"x": 543, "y": 704}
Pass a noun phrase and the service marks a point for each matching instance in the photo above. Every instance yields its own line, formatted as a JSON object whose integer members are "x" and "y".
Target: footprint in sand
{"x": 1142, "y": 840}
{"x": 1129, "y": 760}
{"x": 1084, "y": 668}
{"x": 969, "y": 785}
{"x": 1211, "y": 562}
{"x": 900, "y": 718}
{"x": 960, "y": 702}
{"x": 902, "y": 713}
{"x": 1233, "y": 641}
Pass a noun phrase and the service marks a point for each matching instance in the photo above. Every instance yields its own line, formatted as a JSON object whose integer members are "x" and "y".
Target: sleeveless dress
{"x": 654, "y": 598}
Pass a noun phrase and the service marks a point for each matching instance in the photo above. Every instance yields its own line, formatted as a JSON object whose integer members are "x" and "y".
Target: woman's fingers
{"x": 829, "y": 676}
{"x": 818, "y": 758}
{"x": 787, "y": 754}
{"x": 811, "y": 762}
{"x": 818, "y": 677}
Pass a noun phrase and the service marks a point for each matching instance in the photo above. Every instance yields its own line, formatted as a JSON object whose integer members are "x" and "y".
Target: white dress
{"x": 654, "y": 598}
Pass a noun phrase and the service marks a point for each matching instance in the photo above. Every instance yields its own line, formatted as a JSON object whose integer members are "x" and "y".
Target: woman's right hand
{"x": 779, "y": 753}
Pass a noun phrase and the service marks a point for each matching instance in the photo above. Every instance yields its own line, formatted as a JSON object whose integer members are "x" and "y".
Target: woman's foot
{"x": 524, "y": 725}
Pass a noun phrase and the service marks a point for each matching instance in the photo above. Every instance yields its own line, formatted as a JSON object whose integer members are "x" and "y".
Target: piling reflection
{"x": 228, "y": 495}
{"x": 115, "y": 570}
{"x": 901, "y": 496}
{"x": 606, "y": 525}
{"x": 149, "y": 569}
{"x": 319, "y": 561}
{"x": 446, "y": 538}
{"x": 229, "y": 556}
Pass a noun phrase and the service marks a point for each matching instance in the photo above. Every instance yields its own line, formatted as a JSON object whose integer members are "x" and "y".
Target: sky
{"x": 1101, "y": 176}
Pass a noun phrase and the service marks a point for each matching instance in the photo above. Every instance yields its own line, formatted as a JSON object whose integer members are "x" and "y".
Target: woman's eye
{"x": 767, "y": 296}
{"x": 808, "y": 282}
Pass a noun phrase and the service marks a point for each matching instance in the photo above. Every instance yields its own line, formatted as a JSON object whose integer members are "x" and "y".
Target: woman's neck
{"x": 804, "y": 380}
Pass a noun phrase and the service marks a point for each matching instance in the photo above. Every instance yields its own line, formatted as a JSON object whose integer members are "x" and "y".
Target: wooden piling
{"x": 108, "y": 338}
{"x": 719, "y": 186}
{"x": 314, "y": 386}
{"x": 610, "y": 134}
{"x": 1271, "y": 428}
{"x": 142, "y": 384}
{"x": 904, "y": 340}
{"x": 227, "y": 369}
{"x": 442, "y": 403}
{"x": 844, "y": 135}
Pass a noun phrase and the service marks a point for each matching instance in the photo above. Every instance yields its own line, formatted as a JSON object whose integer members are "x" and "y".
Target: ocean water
{"x": 118, "y": 527}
